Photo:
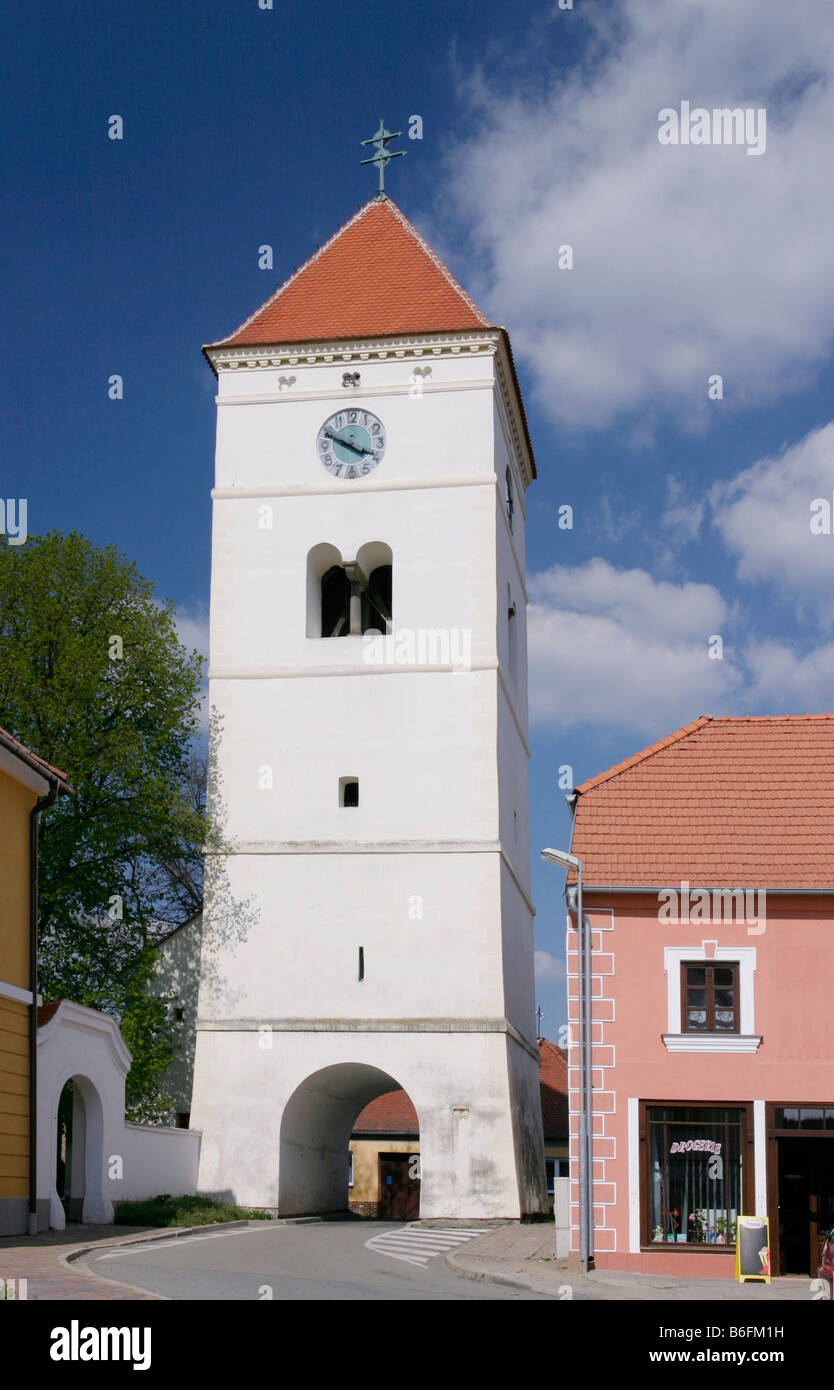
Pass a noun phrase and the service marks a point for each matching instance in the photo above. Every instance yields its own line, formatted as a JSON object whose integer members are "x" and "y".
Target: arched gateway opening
{"x": 79, "y": 1155}
{"x": 315, "y": 1160}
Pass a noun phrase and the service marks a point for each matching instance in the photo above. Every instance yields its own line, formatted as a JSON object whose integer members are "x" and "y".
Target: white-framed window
{"x": 677, "y": 1039}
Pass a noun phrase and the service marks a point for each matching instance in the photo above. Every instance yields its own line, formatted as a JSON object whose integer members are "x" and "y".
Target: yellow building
{"x": 27, "y": 784}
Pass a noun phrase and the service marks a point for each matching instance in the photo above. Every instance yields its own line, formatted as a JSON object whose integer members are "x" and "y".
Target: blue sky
{"x": 242, "y": 127}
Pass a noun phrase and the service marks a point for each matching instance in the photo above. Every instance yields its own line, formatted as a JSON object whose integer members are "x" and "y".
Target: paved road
{"x": 339, "y": 1260}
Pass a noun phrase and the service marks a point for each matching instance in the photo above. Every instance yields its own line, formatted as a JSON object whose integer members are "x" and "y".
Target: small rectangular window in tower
{"x": 348, "y": 791}
{"x": 361, "y": 962}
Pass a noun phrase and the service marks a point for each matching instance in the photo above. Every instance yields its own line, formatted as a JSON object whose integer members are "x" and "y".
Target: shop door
{"x": 806, "y": 1202}
{"x": 399, "y": 1192}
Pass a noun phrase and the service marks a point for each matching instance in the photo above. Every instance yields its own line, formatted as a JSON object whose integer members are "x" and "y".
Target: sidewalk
{"x": 525, "y": 1256}
{"x": 42, "y": 1262}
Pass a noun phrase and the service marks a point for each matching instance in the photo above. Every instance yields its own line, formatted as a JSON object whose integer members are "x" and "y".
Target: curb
{"x": 484, "y": 1276}
{"x": 156, "y": 1233}
{"x": 166, "y": 1233}
{"x": 175, "y": 1232}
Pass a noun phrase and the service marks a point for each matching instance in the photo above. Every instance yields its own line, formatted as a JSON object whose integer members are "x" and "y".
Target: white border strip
{"x": 633, "y": 1175}
{"x": 760, "y": 1157}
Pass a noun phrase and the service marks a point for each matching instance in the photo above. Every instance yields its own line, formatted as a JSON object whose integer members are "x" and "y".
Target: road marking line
{"x": 162, "y": 1245}
{"x": 421, "y": 1245}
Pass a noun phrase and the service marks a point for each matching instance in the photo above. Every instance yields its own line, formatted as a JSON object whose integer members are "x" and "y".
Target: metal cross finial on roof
{"x": 383, "y": 154}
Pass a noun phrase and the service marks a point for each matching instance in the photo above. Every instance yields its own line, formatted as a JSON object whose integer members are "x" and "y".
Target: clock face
{"x": 351, "y": 443}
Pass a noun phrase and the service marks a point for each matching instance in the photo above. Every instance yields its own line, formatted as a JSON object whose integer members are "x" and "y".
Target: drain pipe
{"x": 41, "y": 805}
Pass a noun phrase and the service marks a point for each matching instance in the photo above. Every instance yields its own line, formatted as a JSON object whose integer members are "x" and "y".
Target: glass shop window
{"x": 693, "y": 1174}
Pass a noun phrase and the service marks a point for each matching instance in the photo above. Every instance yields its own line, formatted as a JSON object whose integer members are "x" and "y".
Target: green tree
{"x": 94, "y": 680}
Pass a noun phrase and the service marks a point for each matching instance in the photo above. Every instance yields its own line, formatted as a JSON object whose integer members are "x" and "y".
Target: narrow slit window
{"x": 361, "y": 962}
{"x": 512, "y": 635}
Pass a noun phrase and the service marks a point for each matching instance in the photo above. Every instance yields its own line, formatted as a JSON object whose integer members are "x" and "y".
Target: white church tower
{"x": 368, "y": 923}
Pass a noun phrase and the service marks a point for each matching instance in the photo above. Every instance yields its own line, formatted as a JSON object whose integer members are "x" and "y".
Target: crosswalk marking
{"x": 416, "y": 1246}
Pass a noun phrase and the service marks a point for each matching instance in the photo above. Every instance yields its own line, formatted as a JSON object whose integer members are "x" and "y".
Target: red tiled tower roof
{"x": 393, "y": 1112}
{"x": 374, "y": 278}
{"x": 722, "y": 803}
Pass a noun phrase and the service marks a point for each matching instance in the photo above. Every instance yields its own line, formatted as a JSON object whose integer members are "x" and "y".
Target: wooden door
{"x": 399, "y": 1187}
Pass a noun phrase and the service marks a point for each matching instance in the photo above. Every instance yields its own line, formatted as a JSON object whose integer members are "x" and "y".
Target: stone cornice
{"x": 352, "y": 350}
{"x": 513, "y": 409}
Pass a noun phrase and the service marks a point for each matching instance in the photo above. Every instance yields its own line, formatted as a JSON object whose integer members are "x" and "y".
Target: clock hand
{"x": 357, "y": 448}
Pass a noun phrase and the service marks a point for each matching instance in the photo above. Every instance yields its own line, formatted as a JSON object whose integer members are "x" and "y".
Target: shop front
{"x": 696, "y": 1174}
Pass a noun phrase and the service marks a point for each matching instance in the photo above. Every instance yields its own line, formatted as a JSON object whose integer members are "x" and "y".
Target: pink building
{"x": 708, "y": 874}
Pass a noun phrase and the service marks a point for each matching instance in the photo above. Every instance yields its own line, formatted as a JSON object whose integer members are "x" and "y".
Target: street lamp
{"x": 566, "y": 861}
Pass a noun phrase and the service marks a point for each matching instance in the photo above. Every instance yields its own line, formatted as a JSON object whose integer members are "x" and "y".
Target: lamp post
{"x": 566, "y": 861}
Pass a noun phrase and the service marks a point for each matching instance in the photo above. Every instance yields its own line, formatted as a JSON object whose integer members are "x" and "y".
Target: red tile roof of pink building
{"x": 374, "y": 278}
{"x": 724, "y": 802}
{"x": 393, "y": 1112}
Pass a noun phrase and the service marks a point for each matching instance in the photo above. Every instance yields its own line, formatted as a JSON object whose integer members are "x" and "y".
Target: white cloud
{"x": 192, "y": 626}
{"x": 764, "y": 516}
{"x": 619, "y": 648}
{"x": 689, "y": 261}
{"x": 786, "y": 682}
{"x": 548, "y": 967}
{"x": 622, "y": 650}
{"x": 683, "y": 515}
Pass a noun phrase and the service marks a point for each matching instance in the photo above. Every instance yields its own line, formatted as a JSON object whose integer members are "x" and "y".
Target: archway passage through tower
{"x": 316, "y": 1127}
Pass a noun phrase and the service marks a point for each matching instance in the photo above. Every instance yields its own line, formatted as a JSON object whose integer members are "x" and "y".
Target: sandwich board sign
{"x": 753, "y": 1249}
